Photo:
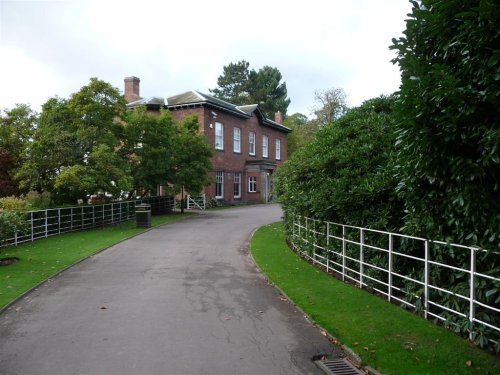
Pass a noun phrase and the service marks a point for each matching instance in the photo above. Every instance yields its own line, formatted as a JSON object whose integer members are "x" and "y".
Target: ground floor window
{"x": 237, "y": 185}
{"x": 252, "y": 184}
{"x": 219, "y": 184}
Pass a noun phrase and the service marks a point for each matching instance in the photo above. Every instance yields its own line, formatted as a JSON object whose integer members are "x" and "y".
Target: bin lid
{"x": 142, "y": 207}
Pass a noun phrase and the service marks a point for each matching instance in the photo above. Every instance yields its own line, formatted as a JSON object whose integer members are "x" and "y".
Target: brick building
{"x": 248, "y": 147}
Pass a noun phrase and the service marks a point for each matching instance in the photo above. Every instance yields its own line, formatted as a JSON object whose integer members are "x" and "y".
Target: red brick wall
{"x": 227, "y": 160}
{"x": 179, "y": 115}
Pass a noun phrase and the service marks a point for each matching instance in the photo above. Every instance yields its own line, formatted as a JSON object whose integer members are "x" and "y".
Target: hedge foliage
{"x": 345, "y": 174}
{"x": 448, "y": 121}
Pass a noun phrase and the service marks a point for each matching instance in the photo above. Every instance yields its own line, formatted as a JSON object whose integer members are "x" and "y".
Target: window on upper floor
{"x": 278, "y": 149}
{"x": 251, "y": 143}
{"x": 219, "y": 136}
{"x": 237, "y": 140}
{"x": 265, "y": 146}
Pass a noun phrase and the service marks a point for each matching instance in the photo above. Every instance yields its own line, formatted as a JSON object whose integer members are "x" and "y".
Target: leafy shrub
{"x": 39, "y": 201}
{"x": 13, "y": 203}
{"x": 10, "y": 223}
{"x": 212, "y": 203}
{"x": 344, "y": 175}
{"x": 347, "y": 175}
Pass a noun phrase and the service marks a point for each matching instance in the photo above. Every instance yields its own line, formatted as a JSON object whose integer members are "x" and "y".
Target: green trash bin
{"x": 143, "y": 215}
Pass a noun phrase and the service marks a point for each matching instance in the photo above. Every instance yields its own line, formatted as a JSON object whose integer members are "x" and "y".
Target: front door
{"x": 268, "y": 187}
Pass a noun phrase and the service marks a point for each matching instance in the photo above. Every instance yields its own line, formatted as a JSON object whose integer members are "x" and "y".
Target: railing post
{"x": 389, "y": 274}
{"x": 71, "y": 219}
{"x": 426, "y": 280}
{"x": 112, "y": 213}
{"x": 31, "y": 215}
{"x": 59, "y": 220}
{"x": 307, "y": 229}
{"x": 46, "y": 224}
{"x": 299, "y": 226}
{"x": 361, "y": 256}
{"x": 93, "y": 216}
{"x": 82, "y": 219}
{"x": 314, "y": 235}
{"x": 327, "y": 233}
{"x": 472, "y": 307}
{"x": 15, "y": 238}
{"x": 343, "y": 252}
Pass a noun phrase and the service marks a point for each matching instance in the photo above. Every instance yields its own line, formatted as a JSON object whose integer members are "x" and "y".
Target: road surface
{"x": 184, "y": 298}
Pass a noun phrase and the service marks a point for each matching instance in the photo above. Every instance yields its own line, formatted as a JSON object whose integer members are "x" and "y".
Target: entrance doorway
{"x": 268, "y": 187}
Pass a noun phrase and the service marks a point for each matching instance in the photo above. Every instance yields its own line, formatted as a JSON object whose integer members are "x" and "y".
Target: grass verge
{"x": 386, "y": 337}
{"x": 41, "y": 259}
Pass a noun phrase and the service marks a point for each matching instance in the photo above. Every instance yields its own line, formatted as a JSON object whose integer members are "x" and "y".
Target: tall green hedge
{"x": 448, "y": 121}
{"x": 345, "y": 174}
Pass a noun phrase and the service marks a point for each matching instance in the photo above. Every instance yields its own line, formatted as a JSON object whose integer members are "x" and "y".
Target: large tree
{"x": 163, "y": 152}
{"x": 150, "y": 146}
{"x": 240, "y": 85}
{"x": 54, "y": 146}
{"x": 269, "y": 91}
{"x": 329, "y": 105}
{"x": 303, "y": 131}
{"x": 16, "y": 130}
{"x": 449, "y": 120}
{"x": 191, "y": 162}
{"x": 75, "y": 147}
{"x": 233, "y": 84}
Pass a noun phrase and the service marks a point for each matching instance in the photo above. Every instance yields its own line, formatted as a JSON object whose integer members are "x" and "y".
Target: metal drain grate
{"x": 338, "y": 366}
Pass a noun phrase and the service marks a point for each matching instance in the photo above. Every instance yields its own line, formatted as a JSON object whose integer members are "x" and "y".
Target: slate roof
{"x": 196, "y": 98}
{"x": 154, "y": 100}
{"x": 248, "y": 109}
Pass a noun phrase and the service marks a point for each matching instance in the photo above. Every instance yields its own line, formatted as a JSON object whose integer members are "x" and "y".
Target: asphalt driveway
{"x": 184, "y": 298}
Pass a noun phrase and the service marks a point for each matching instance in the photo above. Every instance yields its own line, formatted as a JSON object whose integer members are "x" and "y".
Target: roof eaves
{"x": 234, "y": 111}
{"x": 154, "y": 100}
{"x": 276, "y": 125}
{"x": 208, "y": 104}
{"x": 135, "y": 103}
{"x": 199, "y": 95}
{"x": 248, "y": 109}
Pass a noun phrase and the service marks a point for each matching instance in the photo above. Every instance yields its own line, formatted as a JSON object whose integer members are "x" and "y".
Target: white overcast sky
{"x": 50, "y": 48}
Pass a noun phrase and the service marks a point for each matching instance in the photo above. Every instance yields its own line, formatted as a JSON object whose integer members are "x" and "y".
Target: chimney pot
{"x": 132, "y": 86}
{"x": 278, "y": 117}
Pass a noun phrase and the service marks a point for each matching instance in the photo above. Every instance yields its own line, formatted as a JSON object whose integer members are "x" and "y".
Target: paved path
{"x": 184, "y": 298}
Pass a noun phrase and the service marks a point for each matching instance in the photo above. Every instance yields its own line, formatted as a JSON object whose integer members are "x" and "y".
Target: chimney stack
{"x": 278, "y": 117}
{"x": 132, "y": 89}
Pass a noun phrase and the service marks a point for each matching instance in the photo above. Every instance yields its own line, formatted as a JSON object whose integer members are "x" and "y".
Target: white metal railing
{"x": 356, "y": 255}
{"x": 196, "y": 202}
{"x": 55, "y": 221}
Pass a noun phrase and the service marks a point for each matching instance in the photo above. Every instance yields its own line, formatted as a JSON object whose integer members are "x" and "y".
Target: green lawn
{"x": 386, "y": 337}
{"x": 43, "y": 258}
